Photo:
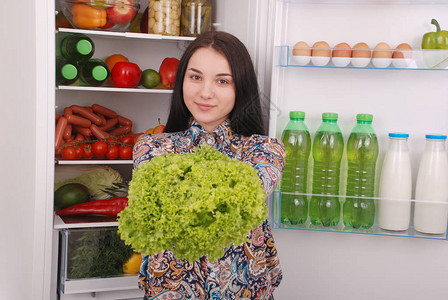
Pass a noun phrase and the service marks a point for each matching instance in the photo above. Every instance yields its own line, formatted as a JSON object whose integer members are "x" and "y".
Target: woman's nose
{"x": 207, "y": 90}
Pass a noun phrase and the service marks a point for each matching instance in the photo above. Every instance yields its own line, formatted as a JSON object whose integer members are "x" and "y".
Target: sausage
{"x": 68, "y": 111}
{"x": 60, "y": 127}
{"x": 121, "y": 130}
{"x": 79, "y": 138}
{"x": 103, "y": 119}
{"x": 98, "y": 133}
{"x": 78, "y": 121}
{"x": 124, "y": 121}
{"x": 86, "y": 113}
{"x": 67, "y": 132}
{"x": 86, "y": 132}
{"x": 58, "y": 116}
{"x": 109, "y": 124}
{"x": 104, "y": 111}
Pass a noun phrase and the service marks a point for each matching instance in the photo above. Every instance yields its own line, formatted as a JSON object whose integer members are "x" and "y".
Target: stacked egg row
{"x": 359, "y": 56}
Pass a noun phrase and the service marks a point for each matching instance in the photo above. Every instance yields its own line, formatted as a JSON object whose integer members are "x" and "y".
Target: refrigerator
{"x": 318, "y": 263}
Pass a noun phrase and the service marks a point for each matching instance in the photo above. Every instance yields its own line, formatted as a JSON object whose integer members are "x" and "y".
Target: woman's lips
{"x": 204, "y": 107}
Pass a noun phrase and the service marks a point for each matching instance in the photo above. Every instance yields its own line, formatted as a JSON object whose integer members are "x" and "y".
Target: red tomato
{"x": 87, "y": 151}
{"x": 167, "y": 71}
{"x": 126, "y": 152}
{"x": 79, "y": 151}
{"x": 69, "y": 153}
{"x": 113, "y": 152}
{"x": 128, "y": 140}
{"x": 126, "y": 74}
{"x": 99, "y": 148}
{"x": 122, "y": 12}
{"x": 111, "y": 142}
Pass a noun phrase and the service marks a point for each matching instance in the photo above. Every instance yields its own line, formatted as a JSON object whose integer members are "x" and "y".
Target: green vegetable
{"x": 195, "y": 204}
{"x": 437, "y": 39}
{"x": 96, "y": 178}
{"x": 70, "y": 194}
{"x": 96, "y": 253}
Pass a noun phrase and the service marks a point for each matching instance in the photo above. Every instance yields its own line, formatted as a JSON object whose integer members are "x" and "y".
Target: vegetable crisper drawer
{"x": 92, "y": 260}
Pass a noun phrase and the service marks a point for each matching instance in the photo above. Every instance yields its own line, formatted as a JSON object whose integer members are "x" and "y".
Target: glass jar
{"x": 196, "y": 17}
{"x": 164, "y": 17}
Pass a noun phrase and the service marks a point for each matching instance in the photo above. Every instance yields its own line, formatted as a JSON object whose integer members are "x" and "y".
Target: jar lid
{"x": 436, "y": 136}
{"x": 399, "y": 135}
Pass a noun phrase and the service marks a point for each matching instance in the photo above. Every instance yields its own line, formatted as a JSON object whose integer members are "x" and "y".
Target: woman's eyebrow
{"x": 219, "y": 74}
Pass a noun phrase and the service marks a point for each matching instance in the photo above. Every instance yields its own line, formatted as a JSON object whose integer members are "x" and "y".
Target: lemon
{"x": 133, "y": 264}
{"x": 150, "y": 78}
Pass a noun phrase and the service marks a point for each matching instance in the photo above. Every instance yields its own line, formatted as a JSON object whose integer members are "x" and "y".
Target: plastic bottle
{"x": 94, "y": 72}
{"x": 66, "y": 72}
{"x": 431, "y": 190}
{"x": 395, "y": 188}
{"x": 328, "y": 147}
{"x": 362, "y": 153}
{"x": 297, "y": 141}
{"x": 77, "y": 47}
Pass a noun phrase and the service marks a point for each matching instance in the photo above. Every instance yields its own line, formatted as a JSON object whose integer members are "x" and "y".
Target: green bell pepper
{"x": 437, "y": 39}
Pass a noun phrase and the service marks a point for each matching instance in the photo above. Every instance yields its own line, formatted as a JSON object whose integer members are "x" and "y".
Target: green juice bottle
{"x": 328, "y": 147}
{"x": 297, "y": 141}
{"x": 94, "y": 72}
{"x": 362, "y": 153}
{"x": 77, "y": 46}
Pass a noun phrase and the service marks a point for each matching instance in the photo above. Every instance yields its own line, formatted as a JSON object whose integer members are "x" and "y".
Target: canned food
{"x": 164, "y": 17}
{"x": 196, "y": 17}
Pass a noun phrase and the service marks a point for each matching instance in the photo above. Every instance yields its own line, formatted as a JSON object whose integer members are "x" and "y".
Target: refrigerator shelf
{"x": 73, "y": 222}
{"x": 113, "y": 89}
{"x": 94, "y": 162}
{"x": 368, "y": 2}
{"x": 428, "y": 59}
{"x": 275, "y": 219}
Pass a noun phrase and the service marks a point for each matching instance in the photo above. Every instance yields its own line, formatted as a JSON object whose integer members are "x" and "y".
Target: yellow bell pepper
{"x": 86, "y": 16}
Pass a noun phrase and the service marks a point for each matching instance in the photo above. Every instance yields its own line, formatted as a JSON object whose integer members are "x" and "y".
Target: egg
{"x": 402, "y": 51}
{"x": 382, "y": 50}
{"x": 301, "y": 49}
{"x": 342, "y": 50}
{"x": 361, "y": 50}
{"x": 321, "y": 49}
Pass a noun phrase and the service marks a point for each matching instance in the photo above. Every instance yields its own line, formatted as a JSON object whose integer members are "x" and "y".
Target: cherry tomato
{"x": 99, "y": 148}
{"x": 79, "y": 151}
{"x": 126, "y": 152}
{"x": 69, "y": 153}
{"x": 128, "y": 140}
{"x": 112, "y": 152}
{"x": 87, "y": 151}
{"x": 111, "y": 142}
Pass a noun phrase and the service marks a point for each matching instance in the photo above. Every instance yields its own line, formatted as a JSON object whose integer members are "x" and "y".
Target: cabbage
{"x": 194, "y": 204}
{"x": 95, "y": 177}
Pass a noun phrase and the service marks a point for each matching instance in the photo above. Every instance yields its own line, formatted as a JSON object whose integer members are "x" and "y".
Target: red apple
{"x": 122, "y": 12}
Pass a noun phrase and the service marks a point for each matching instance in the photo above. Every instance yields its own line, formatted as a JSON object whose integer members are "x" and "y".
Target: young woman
{"x": 216, "y": 101}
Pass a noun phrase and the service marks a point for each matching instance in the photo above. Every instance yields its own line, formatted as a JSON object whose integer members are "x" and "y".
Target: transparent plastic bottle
{"x": 328, "y": 147}
{"x": 66, "y": 72}
{"x": 395, "y": 188}
{"x": 94, "y": 72}
{"x": 297, "y": 141}
{"x": 77, "y": 47}
{"x": 431, "y": 190}
{"x": 362, "y": 154}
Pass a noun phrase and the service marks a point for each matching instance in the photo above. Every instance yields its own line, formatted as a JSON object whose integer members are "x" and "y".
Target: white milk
{"x": 395, "y": 188}
{"x": 431, "y": 192}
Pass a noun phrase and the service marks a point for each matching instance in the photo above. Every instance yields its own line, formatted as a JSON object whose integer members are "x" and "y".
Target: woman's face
{"x": 208, "y": 88}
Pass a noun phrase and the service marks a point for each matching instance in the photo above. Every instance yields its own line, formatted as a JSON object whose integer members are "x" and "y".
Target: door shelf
{"x": 275, "y": 218}
{"x": 421, "y": 60}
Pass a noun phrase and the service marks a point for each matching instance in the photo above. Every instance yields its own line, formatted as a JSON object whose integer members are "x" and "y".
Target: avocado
{"x": 70, "y": 194}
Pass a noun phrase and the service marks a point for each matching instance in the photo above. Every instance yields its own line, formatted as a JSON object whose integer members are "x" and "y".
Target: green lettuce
{"x": 194, "y": 204}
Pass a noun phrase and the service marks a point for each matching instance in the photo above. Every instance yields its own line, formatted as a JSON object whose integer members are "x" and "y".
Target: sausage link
{"x": 67, "y": 132}
{"x": 124, "y": 121}
{"x": 86, "y": 113}
{"x": 98, "y": 133}
{"x": 60, "y": 127}
{"x": 86, "y": 132}
{"x": 121, "y": 130}
{"x": 104, "y": 111}
{"x": 109, "y": 124}
{"x": 78, "y": 121}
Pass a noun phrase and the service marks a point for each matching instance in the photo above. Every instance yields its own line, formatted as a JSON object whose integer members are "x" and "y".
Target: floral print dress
{"x": 247, "y": 271}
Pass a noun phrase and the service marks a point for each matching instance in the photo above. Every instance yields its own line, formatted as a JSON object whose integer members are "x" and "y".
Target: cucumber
{"x": 70, "y": 194}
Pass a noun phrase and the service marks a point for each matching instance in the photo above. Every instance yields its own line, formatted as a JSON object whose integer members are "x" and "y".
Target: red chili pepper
{"x": 106, "y": 207}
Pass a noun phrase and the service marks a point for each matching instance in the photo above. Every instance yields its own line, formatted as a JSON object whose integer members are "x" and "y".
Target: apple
{"x": 122, "y": 12}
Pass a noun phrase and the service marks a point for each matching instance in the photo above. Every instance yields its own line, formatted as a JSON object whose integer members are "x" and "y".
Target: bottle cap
{"x": 69, "y": 71}
{"x": 297, "y": 115}
{"x": 398, "y": 135}
{"x": 330, "y": 116}
{"x": 436, "y": 137}
{"x": 84, "y": 47}
{"x": 364, "y": 117}
{"x": 99, "y": 73}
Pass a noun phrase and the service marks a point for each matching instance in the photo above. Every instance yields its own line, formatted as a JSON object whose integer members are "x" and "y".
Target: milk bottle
{"x": 431, "y": 191}
{"x": 395, "y": 188}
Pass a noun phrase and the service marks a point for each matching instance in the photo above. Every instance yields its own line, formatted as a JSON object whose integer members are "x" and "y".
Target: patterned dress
{"x": 247, "y": 271}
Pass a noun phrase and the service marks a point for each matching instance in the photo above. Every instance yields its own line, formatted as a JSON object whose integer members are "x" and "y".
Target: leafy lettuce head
{"x": 194, "y": 204}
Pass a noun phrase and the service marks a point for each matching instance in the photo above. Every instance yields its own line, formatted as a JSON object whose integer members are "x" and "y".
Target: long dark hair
{"x": 245, "y": 118}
